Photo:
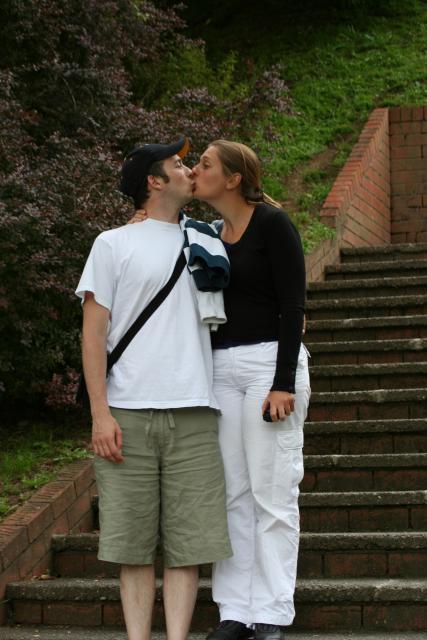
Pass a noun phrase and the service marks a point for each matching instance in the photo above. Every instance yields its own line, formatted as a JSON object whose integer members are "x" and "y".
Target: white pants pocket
{"x": 288, "y": 467}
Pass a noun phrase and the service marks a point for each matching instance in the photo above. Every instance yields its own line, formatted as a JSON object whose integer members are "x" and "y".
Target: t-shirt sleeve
{"x": 288, "y": 268}
{"x": 98, "y": 274}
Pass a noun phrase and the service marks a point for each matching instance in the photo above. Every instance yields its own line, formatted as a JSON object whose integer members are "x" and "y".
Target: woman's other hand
{"x": 280, "y": 404}
{"x": 139, "y": 216}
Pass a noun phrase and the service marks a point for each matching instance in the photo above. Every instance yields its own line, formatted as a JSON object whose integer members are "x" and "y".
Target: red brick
{"x": 324, "y": 519}
{"x": 10, "y": 575}
{"x": 407, "y": 564}
{"x": 70, "y": 564}
{"x": 416, "y": 139}
{"x": 418, "y": 517}
{"x": 32, "y": 555}
{"x": 344, "y": 480}
{"x": 13, "y": 541}
{"x": 73, "y": 613}
{"x": 328, "y": 617}
{"x": 400, "y": 479}
{"x": 86, "y": 523}
{"x": 36, "y": 517}
{"x": 395, "y": 617}
{"x": 58, "y": 494}
{"x": 394, "y": 114}
{"x": 378, "y": 519}
{"x": 27, "y": 612}
{"x": 332, "y": 412}
{"x": 406, "y": 152}
{"x": 112, "y": 615}
{"x": 417, "y": 113}
{"x": 309, "y": 564}
{"x": 356, "y": 445}
{"x": 79, "y": 508}
{"x": 309, "y": 481}
{"x": 85, "y": 479}
{"x": 355, "y": 565}
{"x": 95, "y": 567}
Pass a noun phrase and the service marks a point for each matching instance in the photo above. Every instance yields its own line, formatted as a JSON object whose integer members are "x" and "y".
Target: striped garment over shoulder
{"x": 208, "y": 263}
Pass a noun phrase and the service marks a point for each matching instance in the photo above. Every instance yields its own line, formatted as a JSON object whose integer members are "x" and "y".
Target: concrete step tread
{"x": 368, "y": 283}
{"x": 321, "y": 590}
{"x": 366, "y": 323}
{"x": 369, "y": 369}
{"x": 366, "y": 426}
{"x": 410, "y": 247}
{"x": 336, "y": 541}
{"x": 368, "y": 460}
{"x": 362, "y": 498}
{"x": 368, "y": 302}
{"x": 369, "y": 395}
{"x": 383, "y": 266}
{"x": 105, "y": 633}
{"x": 385, "y": 540}
{"x": 355, "y": 498}
{"x": 407, "y": 344}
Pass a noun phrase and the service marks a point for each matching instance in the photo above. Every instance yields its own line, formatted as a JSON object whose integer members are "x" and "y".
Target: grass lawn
{"x": 33, "y": 453}
{"x": 339, "y": 65}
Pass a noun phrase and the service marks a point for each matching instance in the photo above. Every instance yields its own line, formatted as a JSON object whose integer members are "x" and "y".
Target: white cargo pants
{"x": 263, "y": 466}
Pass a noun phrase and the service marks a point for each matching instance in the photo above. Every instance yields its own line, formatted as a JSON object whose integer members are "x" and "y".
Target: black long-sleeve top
{"x": 265, "y": 298}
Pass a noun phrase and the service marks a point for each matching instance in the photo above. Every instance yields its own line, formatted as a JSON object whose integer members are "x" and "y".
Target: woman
{"x": 262, "y": 385}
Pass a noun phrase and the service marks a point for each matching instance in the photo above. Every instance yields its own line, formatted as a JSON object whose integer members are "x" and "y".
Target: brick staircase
{"x": 363, "y": 555}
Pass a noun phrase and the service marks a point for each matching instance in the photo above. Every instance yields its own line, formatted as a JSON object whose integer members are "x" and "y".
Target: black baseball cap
{"x": 138, "y": 162}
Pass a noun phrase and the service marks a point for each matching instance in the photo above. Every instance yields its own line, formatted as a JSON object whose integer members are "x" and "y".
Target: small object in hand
{"x": 266, "y": 416}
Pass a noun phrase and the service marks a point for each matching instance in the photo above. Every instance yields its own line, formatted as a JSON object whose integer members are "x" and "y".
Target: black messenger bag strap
{"x": 148, "y": 311}
{"x": 82, "y": 396}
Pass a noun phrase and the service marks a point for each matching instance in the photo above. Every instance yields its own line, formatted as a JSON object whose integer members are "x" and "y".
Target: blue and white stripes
{"x": 208, "y": 263}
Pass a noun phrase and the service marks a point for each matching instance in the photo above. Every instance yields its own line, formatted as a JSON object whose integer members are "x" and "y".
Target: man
{"x": 158, "y": 465}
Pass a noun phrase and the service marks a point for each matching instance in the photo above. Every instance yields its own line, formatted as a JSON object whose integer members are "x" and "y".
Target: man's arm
{"x": 106, "y": 433}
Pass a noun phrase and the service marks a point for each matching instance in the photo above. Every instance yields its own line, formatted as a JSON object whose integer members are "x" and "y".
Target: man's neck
{"x": 163, "y": 211}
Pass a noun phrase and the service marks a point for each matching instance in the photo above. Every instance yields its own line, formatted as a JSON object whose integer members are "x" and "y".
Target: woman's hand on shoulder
{"x": 139, "y": 216}
{"x": 280, "y": 404}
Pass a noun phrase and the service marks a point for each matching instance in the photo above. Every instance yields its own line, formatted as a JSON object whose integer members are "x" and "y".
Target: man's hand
{"x": 139, "y": 216}
{"x": 107, "y": 438}
{"x": 280, "y": 404}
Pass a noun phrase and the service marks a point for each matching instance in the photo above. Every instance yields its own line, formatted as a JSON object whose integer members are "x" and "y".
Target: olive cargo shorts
{"x": 170, "y": 487}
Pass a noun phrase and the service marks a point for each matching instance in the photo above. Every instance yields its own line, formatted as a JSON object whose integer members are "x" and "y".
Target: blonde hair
{"x": 236, "y": 157}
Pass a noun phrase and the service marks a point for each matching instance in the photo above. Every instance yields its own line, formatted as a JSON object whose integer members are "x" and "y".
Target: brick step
{"x": 349, "y": 271}
{"x": 351, "y": 377}
{"x": 321, "y": 555}
{"x": 75, "y": 555}
{"x": 363, "y": 555}
{"x": 372, "y": 404}
{"x": 368, "y": 351}
{"x": 366, "y": 436}
{"x": 37, "y": 632}
{"x": 370, "y": 306}
{"x": 398, "y": 252}
{"x": 363, "y": 511}
{"x": 330, "y": 604}
{"x": 361, "y": 289}
{"x": 382, "y": 328}
{"x": 369, "y": 472}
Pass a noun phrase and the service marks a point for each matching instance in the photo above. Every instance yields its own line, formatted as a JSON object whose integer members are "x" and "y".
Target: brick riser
{"x": 354, "y": 616}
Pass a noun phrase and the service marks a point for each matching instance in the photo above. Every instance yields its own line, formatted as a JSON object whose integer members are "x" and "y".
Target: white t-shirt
{"x": 168, "y": 364}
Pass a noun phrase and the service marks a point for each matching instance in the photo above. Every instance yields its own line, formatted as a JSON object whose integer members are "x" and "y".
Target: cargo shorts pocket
{"x": 288, "y": 469}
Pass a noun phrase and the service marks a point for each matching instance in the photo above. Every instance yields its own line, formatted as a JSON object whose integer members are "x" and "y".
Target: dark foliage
{"x": 69, "y": 71}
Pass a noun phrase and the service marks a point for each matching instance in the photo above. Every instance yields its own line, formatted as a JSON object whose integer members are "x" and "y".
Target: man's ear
{"x": 233, "y": 181}
{"x": 155, "y": 182}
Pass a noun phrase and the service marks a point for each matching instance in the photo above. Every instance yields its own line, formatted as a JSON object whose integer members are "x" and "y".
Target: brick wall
{"x": 408, "y": 150}
{"x": 59, "y": 507}
{"x": 358, "y": 205}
